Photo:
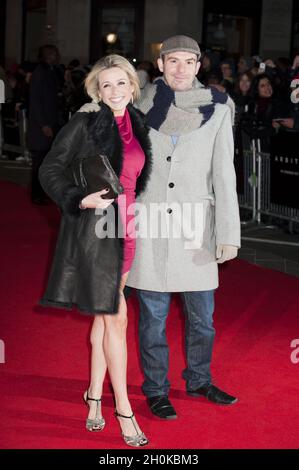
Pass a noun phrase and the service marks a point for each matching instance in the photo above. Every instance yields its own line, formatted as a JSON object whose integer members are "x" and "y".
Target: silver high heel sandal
{"x": 138, "y": 440}
{"x": 96, "y": 424}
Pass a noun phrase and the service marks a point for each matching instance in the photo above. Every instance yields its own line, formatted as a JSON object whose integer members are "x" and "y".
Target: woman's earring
{"x": 132, "y": 99}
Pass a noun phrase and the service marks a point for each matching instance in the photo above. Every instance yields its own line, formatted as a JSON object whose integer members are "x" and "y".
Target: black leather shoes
{"x": 213, "y": 394}
{"x": 160, "y": 406}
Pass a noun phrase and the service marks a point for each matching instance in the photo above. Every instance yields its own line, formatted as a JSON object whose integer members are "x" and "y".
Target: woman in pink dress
{"x": 132, "y": 166}
{"x": 88, "y": 271}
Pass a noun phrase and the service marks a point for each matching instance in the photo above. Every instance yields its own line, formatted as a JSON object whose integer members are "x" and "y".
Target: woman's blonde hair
{"x": 113, "y": 60}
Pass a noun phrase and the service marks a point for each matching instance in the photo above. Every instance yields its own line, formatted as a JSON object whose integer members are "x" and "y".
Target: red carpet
{"x": 46, "y": 355}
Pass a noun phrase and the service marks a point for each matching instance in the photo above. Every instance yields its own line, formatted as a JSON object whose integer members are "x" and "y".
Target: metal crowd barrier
{"x": 257, "y": 187}
{"x": 2, "y": 100}
{"x": 22, "y": 148}
{"x": 256, "y": 194}
{"x": 22, "y": 123}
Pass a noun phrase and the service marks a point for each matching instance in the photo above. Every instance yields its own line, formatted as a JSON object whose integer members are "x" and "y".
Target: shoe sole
{"x": 166, "y": 418}
{"x": 94, "y": 429}
{"x": 192, "y": 394}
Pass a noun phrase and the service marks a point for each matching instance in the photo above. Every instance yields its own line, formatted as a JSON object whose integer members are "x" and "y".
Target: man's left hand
{"x": 89, "y": 108}
{"x": 225, "y": 253}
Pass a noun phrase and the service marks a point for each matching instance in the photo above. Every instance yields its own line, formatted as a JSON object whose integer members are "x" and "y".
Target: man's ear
{"x": 160, "y": 64}
{"x": 198, "y": 65}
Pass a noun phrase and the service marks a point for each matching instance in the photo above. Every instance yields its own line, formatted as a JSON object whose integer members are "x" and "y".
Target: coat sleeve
{"x": 53, "y": 171}
{"x": 227, "y": 218}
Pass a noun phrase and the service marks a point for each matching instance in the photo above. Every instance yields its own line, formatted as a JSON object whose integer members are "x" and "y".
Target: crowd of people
{"x": 50, "y": 93}
{"x": 260, "y": 87}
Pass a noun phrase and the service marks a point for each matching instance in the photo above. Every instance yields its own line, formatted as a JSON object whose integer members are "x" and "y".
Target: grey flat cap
{"x": 180, "y": 43}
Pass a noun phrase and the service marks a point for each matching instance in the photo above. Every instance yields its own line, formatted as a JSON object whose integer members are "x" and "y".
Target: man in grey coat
{"x": 192, "y": 146}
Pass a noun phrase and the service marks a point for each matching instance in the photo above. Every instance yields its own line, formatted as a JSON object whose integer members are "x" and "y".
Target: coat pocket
{"x": 199, "y": 225}
{"x": 209, "y": 236}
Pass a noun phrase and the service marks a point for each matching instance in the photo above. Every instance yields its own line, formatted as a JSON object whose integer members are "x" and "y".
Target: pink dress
{"x": 132, "y": 165}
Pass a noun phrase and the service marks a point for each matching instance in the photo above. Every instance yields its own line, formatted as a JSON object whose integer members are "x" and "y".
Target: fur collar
{"x": 103, "y": 131}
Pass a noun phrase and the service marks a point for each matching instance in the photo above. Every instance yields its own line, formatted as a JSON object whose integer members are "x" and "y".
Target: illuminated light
{"x": 111, "y": 38}
{"x": 155, "y": 50}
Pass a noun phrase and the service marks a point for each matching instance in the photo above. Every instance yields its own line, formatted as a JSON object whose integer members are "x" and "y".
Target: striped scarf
{"x": 180, "y": 112}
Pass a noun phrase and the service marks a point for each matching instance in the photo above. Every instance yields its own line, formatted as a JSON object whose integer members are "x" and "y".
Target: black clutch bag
{"x": 96, "y": 173}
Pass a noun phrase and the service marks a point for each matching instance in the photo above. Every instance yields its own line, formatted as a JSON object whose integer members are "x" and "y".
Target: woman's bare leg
{"x": 98, "y": 364}
{"x": 115, "y": 347}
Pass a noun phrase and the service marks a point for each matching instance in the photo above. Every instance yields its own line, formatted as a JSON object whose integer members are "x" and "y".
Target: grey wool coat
{"x": 197, "y": 169}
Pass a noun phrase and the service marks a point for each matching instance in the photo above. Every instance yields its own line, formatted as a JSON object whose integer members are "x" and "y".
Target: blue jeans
{"x": 199, "y": 339}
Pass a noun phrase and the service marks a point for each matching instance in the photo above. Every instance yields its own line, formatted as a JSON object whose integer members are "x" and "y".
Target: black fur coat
{"x": 86, "y": 269}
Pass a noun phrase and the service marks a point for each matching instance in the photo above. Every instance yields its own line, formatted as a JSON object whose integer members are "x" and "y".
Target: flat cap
{"x": 180, "y": 43}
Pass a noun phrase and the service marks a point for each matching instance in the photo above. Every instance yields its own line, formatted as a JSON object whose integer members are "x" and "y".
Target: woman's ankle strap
{"x": 123, "y": 416}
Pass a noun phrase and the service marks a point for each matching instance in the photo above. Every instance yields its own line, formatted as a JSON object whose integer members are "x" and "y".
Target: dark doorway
{"x": 2, "y": 32}
{"x": 116, "y": 27}
{"x": 34, "y": 28}
{"x": 295, "y": 32}
{"x": 232, "y": 27}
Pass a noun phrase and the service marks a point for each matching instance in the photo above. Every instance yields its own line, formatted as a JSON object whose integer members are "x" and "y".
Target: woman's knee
{"x": 116, "y": 322}
{"x": 97, "y": 330}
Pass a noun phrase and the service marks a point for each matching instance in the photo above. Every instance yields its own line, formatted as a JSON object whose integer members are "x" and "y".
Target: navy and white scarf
{"x": 179, "y": 112}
